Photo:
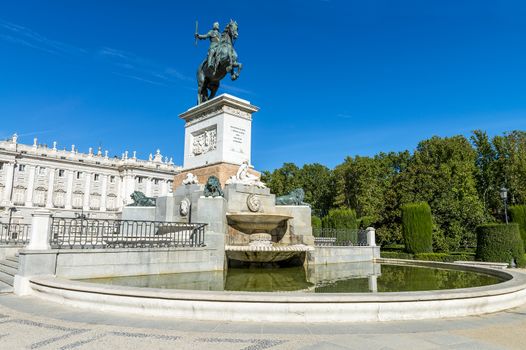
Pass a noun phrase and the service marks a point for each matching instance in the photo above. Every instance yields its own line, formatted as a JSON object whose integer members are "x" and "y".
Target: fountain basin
{"x": 265, "y": 254}
{"x": 250, "y": 223}
{"x": 289, "y": 307}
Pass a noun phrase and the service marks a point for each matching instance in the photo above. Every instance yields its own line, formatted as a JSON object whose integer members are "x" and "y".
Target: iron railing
{"x": 15, "y": 234}
{"x": 101, "y": 233}
{"x": 339, "y": 237}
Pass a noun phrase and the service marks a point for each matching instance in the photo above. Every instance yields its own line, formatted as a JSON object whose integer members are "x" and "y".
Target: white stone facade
{"x": 65, "y": 181}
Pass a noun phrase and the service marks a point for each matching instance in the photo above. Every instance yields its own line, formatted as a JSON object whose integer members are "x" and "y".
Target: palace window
{"x": 77, "y": 200}
{"x": 41, "y": 171}
{"x": 21, "y": 168}
{"x": 112, "y": 179}
{"x": 156, "y": 181}
{"x": 79, "y": 175}
{"x": 40, "y": 197}
{"x": 96, "y": 177}
{"x": 19, "y": 196}
{"x": 61, "y": 172}
{"x": 139, "y": 179}
{"x": 1, "y": 166}
{"x": 59, "y": 199}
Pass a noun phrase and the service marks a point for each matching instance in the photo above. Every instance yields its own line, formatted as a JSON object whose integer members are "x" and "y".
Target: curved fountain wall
{"x": 289, "y": 307}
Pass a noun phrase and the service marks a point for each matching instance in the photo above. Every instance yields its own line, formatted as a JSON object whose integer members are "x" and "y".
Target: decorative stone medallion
{"x": 253, "y": 203}
{"x": 184, "y": 207}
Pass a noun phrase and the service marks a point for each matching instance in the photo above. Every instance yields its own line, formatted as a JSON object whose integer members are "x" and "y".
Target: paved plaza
{"x": 28, "y": 323}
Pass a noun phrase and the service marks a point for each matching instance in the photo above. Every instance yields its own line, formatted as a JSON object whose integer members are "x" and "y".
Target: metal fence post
{"x": 371, "y": 236}
{"x": 40, "y": 230}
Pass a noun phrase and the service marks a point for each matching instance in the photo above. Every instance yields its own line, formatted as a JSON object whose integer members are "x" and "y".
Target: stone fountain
{"x": 220, "y": 188}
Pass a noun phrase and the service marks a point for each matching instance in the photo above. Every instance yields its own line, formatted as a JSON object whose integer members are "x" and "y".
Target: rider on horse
{"x": 215, "y": 36}
{"x": 221, "y": 60}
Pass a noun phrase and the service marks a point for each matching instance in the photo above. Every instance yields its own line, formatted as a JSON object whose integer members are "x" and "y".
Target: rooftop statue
{"x": 221, "y": 60}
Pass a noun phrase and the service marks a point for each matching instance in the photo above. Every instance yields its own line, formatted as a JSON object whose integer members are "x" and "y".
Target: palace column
{"x": 30, "y": 186}
{"x": 50, "y": 188}
{"x": 128, "y": 188}
{"x": 103, "y": 192}
{"x": 164, "y": 187}
{"x": 69, "y": 190}
{"x": 149, "y": 181}
{"x": 87, "y": 192}
{"x": 120, "y": 185}
{"x": 10, "y": 169}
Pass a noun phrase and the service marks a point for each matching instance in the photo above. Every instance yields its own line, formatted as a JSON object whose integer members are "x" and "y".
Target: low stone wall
{"x": 84, "y": 263}
{"x": 287, "y": 307}
{"x": 342, "y": 255}
{"x": 8, "y": 250}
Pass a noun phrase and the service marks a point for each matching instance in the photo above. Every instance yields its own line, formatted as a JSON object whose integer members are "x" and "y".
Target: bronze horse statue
{"x": 209, "y": 76}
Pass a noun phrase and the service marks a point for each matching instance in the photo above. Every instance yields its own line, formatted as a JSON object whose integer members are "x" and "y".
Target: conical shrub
{"x": 518, "y": 216}
{"x": 417, "y": 227}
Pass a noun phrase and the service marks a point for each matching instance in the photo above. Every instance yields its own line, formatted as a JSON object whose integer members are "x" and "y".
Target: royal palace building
{"x": 68, "y": 182}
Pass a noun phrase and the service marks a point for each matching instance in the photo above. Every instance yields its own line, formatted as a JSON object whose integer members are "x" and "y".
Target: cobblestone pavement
{"x": 28, "y": 323}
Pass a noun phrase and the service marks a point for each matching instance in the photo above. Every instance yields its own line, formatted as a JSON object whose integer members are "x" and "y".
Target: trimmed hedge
{"x": 518, "y": 216}
{"x": 417, "y": 227}
{"x": 444, "y": 257}
{"x": 500, "y": 243}
{"x": 393, "y": 247}
{"x": 315, "y": 222}
{"x": 396, "y": 255}
{"x": 365, "y": 222}
{"x": 441, "y": 257}
{"x": 340, "y": 219}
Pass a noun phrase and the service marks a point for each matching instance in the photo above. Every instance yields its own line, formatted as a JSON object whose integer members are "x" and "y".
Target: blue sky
{"x": 332, "y": 78}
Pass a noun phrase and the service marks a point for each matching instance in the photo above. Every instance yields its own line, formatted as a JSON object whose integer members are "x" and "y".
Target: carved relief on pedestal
{"x": 184, "y": 207}
{"x": 204, "y": 141}
{"x": 253, "y": 203}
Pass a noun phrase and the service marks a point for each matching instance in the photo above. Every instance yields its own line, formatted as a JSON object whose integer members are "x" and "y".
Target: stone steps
{"x": 8, "y": 270}
{"x": 7, "y": 278}
{"x": 9, "y": 263}
{"x": 5, "y": 288}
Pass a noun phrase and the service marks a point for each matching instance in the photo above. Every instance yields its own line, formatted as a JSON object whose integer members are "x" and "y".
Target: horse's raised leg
{"x": 234, "y": 73}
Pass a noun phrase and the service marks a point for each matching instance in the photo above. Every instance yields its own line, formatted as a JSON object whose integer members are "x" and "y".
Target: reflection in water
{"x": 267, "y": 280}
{"x": 340, "y": 278}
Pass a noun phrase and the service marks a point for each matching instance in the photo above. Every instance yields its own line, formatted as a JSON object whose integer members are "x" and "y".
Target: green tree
{"x": 316, "y": 180}
{"x": 318, "y": 183}
{"x": 511, "y": 164}
{"x": 282, "y": 180}
{"x": 366, "y": 185}
{"x": 442, "y": 173}
{"x": 486, "y": 172}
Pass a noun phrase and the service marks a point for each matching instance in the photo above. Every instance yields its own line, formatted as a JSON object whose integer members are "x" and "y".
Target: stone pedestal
{"x": 300, "y": 229}
{"x": 218, "y": 131}
{"x": 223, "y": 171}
{"x": 138, "y": 213}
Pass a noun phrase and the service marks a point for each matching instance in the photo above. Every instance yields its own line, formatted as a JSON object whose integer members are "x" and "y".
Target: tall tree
{"x": 486, "y": 172}
{"x": 442, "y": 173}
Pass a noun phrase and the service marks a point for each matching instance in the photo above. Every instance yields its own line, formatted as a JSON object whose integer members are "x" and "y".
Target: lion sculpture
{"x": 295, "y": 197}
{"x": 213, "y": 187}
{"x": 140, "y": 200}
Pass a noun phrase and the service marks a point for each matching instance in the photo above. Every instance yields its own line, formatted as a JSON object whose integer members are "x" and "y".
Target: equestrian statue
{"x": 221, "y": 60}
